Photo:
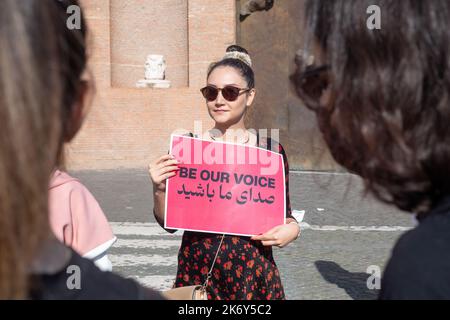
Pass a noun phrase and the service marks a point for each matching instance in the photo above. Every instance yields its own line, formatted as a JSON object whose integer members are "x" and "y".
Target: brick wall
{"x": 273, "y": 38}
{"x": 142, "y": 27}
{"x": 127, "y": 127}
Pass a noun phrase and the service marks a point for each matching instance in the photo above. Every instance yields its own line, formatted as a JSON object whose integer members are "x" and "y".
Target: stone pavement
{"x": 343, "y": 233}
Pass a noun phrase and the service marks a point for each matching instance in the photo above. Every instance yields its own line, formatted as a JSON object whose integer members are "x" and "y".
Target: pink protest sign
{"x": 225, "y": 188}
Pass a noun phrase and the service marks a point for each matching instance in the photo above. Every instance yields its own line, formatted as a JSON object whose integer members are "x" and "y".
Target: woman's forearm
{"x": 159, "y": 206}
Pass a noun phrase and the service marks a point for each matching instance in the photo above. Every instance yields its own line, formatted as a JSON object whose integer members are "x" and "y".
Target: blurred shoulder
{"x": 418, "y": 267}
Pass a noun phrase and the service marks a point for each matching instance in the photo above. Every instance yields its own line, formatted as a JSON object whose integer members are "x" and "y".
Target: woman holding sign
{"x": 244, "y": 268}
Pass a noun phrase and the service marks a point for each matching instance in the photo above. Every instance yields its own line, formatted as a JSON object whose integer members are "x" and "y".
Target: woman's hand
{"x": 162, "y": 169}
{"x": 279, "y": 236}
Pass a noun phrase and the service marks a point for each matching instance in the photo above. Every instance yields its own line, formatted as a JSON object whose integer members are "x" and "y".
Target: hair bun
{"x": 239, "y": 53}
{"x": 235, "y": 47}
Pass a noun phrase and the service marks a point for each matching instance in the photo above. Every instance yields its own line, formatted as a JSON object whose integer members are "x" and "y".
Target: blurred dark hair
{"x": 244, "y": 69}
{"x": 41, "y": 63}
{"x": 389, "y": 119}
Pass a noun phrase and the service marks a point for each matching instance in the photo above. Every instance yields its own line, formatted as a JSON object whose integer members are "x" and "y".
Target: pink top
{"x": 75, "y": 216}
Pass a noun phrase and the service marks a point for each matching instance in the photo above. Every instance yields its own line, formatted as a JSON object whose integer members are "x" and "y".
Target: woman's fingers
{"x": 271, "y": 243}
{"x": 269, "y": 235}
{"x": 155, "y": 164}
{"x": 158, "y": 175}
{"x": 164, "y": 158}
{"x": 265, "y": 237}
{"x": 167, "y": 169}
{"x": 161, "y": 169}
{"x": 167, "y": 163}
{"x": 160, "y": 164}
{"x": 274, "y": 237}
{"x": 168, "y": 175}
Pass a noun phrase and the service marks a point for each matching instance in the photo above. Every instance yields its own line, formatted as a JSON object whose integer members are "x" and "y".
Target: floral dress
{"x": 244, "y": 269}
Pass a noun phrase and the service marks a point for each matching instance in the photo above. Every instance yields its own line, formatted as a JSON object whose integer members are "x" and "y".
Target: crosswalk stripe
{"x": 146, "y": 243}
{"x": 140, "y": 228}
{"x": 306, "y": 226}
{"x": 157, "y": 282}
{"x": 154, "y": 229}
{"x": 126, "y": 260}
{"x": 142, "y": 246}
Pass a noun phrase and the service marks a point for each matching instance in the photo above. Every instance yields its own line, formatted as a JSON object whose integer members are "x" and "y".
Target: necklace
{"x": 247, "y": 139}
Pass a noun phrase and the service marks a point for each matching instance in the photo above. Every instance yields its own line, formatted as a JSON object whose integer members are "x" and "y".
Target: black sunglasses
{"x": 229, "y": 93}
{"x": 311, "y": 83}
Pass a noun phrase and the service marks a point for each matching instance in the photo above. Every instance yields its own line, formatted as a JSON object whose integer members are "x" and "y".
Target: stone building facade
{"x": 128, "y": 126}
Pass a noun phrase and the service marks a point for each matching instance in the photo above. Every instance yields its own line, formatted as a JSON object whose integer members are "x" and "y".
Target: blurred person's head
{"x": 382, "y": 97}
{"x": 43, "y": 89}
{"x": 230, "y": 88}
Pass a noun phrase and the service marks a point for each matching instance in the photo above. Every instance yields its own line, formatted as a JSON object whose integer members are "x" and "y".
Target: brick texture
{"x": 128, "y": 127}
{"x": 273, "y": 38}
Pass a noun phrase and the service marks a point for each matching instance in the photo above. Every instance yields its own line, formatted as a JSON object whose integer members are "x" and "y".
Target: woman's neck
{"x": 230, "y": 130}
{"x": 237, "y": 133}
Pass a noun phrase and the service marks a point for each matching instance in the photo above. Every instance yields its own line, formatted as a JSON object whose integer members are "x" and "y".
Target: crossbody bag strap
{"x": 214, "y": 262}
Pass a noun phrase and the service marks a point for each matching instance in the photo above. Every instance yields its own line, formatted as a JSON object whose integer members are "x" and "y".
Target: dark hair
{"x": 389, "y": 120}
{"x": 244, "y": 69}
{"x": 41, "y": 62}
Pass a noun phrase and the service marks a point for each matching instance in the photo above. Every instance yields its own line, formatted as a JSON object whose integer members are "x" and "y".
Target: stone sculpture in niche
{"x": 250, "y": 6}
{"x": 155, "y": 73}
{"x": 155, "y": 67}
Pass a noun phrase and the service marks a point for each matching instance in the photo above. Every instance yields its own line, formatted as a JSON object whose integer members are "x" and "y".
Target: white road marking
{"x": 146, "y": 243}
{"x": 140, "y": 228}
{"x": 153, "y": 229}
{"x": 306, "y": 226}
{"x": 127, "y": 260}
{"x": 157, "y": 282}
{"x": 170, "y": 242}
